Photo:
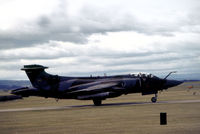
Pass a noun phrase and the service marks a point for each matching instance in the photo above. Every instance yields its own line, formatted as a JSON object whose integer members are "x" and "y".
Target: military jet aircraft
{"x": 91, "y": 88}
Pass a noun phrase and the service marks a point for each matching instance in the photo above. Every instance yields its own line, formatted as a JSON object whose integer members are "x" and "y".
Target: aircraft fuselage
{"x": 90, "y": 88}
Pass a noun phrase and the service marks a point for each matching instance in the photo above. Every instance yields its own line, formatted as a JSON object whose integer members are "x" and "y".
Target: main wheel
{"x": 97, "y": 102}
{"x": 153, "y": 99}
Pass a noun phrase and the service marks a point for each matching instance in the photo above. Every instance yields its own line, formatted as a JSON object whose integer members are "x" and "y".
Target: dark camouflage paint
{"x": 90, "y": 88}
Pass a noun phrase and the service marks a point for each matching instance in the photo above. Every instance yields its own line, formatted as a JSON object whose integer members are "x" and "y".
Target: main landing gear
{"x": 97, "y": 102}
{"x": 154, "y": 99}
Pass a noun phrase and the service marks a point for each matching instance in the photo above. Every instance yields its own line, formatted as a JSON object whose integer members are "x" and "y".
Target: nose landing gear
{"x": 154, "y": 99}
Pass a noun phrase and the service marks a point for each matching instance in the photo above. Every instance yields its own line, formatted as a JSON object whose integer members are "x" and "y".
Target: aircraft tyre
{"x": 153, "y": 99}
{"x": 97, "y": 102}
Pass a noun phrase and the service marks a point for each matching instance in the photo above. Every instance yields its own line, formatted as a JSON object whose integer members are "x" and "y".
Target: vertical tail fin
{"x": 38, "y": 77}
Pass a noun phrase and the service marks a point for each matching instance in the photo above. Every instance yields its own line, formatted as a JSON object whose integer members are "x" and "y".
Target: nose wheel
{"x": 154, "y": 99}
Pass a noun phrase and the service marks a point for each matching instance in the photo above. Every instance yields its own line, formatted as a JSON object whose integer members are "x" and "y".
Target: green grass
{"x": 142, "y": 118}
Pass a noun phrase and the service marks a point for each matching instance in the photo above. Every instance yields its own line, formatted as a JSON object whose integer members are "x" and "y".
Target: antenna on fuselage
{"x": 170, "y": 74}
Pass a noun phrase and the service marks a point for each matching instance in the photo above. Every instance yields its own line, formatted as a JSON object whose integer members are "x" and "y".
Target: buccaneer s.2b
{"x": 90, "y": 88}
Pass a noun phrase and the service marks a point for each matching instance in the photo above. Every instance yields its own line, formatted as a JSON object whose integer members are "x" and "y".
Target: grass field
{"x": 183, "y": 118}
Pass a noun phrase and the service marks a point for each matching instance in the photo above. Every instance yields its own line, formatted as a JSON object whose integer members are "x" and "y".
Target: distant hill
{"x": 13, "y": 84}
{"x": 190, "y": 80}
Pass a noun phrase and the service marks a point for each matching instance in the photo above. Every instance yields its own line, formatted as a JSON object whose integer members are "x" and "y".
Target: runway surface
{"x": 88, "y": 106}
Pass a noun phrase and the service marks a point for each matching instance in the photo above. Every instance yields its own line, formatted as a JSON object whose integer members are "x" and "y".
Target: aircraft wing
{"x": 97, "y": 87}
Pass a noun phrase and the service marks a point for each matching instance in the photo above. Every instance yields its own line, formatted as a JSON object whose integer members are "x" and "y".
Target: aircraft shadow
{"x": 110, "y": 104}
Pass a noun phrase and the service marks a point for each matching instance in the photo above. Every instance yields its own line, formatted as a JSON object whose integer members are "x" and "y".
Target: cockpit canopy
{"x": 145, "y": 75}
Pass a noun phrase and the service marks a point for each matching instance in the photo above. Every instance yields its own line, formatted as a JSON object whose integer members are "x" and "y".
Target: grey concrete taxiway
{"x": 85, "y": 106}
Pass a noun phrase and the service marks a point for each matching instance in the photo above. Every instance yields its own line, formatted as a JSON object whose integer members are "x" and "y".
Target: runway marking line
{"x": 80, "y": 106}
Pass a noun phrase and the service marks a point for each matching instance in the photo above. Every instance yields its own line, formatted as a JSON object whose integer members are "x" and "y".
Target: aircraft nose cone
{"x": 172, "y": 83}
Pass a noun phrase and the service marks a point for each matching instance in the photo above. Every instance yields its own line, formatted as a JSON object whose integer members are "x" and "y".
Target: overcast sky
{"x": 83, "y": 37}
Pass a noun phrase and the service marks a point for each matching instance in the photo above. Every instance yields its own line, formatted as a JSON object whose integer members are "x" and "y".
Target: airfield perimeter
{"x": 126, "y": 114}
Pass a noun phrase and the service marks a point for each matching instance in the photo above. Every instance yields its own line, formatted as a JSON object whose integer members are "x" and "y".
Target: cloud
{"x": 67, "y": 23}
{"x": 109, "y": 55}
{"x": 91, "y": 37}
